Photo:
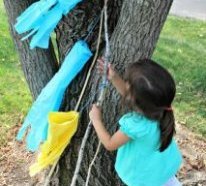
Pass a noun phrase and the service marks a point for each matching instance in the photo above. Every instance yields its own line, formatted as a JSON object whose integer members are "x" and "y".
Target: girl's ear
{"x": 130, "y": 99}
{"x": 128, "y": 94}
{"x": 127, "y": 85}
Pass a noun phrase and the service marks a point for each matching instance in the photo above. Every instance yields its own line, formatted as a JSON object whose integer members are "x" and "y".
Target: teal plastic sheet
{"x": 41, "y": 18}
{"x": 51, "y": 96}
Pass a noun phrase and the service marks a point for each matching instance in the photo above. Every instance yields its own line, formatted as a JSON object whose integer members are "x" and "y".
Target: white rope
{"x": 81, "y": 152}
{"x": 106, "y": 59}
{"x": 106, "y": 56}
{"x": 107, "y": 53}
{"x": 92, "y": 163}
{"x": 47, "y": 181}
{"x": 50, "y": 173}
{"x": 92, "y": 65}
{"x": 86, "y": 135}
{"x": 101, "y": 97}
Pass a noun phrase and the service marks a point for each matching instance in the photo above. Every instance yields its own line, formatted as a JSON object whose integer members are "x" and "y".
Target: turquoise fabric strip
{"x": 41, "y": 18}
{"x": 51, "y": 96}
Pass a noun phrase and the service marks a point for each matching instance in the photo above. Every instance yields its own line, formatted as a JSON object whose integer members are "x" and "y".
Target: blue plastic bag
{"x": 41, "y": 18}
{"x": 51, "y": 96}
{"x": 33, "y": 15}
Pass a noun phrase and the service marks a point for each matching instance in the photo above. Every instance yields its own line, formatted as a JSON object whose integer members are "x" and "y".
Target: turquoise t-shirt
{"x": 139, "y": 162}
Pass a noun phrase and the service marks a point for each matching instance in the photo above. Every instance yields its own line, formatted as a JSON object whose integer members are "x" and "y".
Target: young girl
{"x": 147, "y": 153}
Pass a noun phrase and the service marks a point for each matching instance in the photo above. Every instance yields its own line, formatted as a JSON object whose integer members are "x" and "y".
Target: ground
{"x": 17, "y": 161}
{"x": 193, "y": 171}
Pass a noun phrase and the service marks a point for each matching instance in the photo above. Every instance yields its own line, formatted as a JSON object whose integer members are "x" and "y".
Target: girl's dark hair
{"x": 152, "y": 90}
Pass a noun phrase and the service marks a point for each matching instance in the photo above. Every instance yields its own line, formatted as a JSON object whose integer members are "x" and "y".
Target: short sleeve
{"x": 134, "y": 125}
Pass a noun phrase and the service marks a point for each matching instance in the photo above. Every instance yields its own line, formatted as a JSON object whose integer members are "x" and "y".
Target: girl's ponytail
{"x": 167, "y": 129}
{"x": 151, "y": 91}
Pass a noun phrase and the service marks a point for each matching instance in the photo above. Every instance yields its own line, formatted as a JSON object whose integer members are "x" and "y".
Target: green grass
{"x": 181, "y": 49}
{"x": 14, "y": 94}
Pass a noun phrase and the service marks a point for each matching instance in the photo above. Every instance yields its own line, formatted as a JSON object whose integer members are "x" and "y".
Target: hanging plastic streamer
{"x": 41, "y": 18}
{"x": 62, "y": 126}
{"x": 51, "y": 96}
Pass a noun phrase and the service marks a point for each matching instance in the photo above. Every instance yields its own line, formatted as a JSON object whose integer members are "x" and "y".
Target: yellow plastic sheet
{"x": 62, "y": 126}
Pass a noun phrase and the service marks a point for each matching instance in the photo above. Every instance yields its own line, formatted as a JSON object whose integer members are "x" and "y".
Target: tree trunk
{"x": 38, "y": 65}
{"x": 134, "y": 27}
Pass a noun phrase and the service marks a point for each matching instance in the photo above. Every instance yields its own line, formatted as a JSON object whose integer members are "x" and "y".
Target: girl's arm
{"x": 110, "y": 142}
{"x": 114, "y": 77}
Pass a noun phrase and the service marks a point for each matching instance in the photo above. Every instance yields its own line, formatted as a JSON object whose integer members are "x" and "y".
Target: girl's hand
{"x": 111, "y": 72}
{"x": 95, "y": 113}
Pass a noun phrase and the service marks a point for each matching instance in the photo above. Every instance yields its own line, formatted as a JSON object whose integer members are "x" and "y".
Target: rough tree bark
{"x": 38, "y": 65}
{"x": 134, "y": 27}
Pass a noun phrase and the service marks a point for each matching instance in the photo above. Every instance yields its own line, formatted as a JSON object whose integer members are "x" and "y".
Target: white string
{"x": 92, "y": 65}
{"x": 86, "y": 135}
{"x": 106, "y": 55}
{"x": 101, "y": 97}
{"x": 92, "y": 163}
{"x": 81, "y": 152}
{"x": 81, "y": 95}
{"x": 106, "y": 59}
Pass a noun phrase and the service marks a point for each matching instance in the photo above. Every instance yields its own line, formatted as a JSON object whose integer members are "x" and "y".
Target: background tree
{"x": 38, "y": 65}
{"x": 134, "y": 27}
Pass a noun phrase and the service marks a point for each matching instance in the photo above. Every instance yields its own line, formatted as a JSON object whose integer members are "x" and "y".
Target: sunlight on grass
{"x": 182, "y": 50}
{"x": 14, "y": 94}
